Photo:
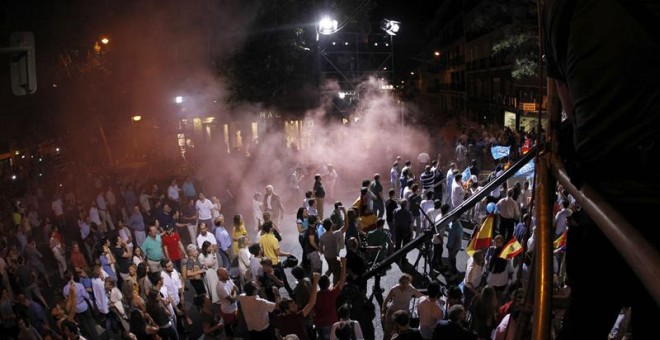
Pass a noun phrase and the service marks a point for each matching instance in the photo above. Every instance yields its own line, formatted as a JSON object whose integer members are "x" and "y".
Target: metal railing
{"x": 642, "y": 257}
{"x": 450, "y": 216}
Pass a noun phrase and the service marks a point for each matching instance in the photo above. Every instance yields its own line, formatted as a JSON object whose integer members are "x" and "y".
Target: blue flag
{"x": 500, "y": 151}
{"x": 466, "y": 174}
{"x": 526, "y": 169}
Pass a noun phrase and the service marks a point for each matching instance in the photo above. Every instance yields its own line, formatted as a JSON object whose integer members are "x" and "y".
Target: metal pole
{"x": 543, "y": 253}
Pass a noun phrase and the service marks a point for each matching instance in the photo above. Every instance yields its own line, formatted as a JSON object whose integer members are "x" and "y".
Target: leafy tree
{"x": 516, "y": 27}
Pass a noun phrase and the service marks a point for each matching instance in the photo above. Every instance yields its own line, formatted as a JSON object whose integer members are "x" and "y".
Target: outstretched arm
{"x": 345, "y": 226}
{"x": 312, "y": 298}
{"x": 342, "y": 276}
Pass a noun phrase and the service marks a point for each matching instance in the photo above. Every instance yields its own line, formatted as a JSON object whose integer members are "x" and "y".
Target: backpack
{"x": 342, "y": 333}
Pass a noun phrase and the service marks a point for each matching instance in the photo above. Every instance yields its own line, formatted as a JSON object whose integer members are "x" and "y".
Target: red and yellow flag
{"x": 560, "y": 241}
{"x": 482, "y": 238}
{"x": 511, "y": 249}
{"x": 526, "y": 145}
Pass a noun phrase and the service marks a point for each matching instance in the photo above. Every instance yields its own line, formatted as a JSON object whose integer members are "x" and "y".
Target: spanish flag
{"x": 511, "y": 249}
{"x": 482, "y": 237}
{"x": 560, "y": 241}
{"x": 526, "y": 145}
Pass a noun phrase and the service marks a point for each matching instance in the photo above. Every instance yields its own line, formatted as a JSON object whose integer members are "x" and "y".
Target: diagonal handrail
{"x": 642, "y": 256}
{"x": 451, "y": 215}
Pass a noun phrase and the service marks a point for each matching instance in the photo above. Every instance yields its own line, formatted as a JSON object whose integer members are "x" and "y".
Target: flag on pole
{"x": 466, "y": 178}
{"x": 511, "y": 249}
{"x": 466, "y": 174}
{"x": 560, "y": 241}
{"x": 527, "y": 169}
{"x": 526, "y": 145}
{"x": 481, "y": 238}
{"x": 500, "y": 151}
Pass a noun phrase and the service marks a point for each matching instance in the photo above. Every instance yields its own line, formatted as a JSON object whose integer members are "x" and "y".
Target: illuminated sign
{"x": 269, "y": 115}
{"x": 529, "y": 106}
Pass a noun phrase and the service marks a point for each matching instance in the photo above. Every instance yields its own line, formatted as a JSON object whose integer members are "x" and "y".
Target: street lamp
{"x": 101, "y": 44}
{"x": 390, "y": 27}
{"x": 136, "y": 119}
{"x": 328, "y": 26}
{"x": 178, "y": 99}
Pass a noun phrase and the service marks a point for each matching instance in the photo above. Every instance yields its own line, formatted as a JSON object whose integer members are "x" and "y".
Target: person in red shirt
{"x": 325, "y": 313}
{"x": 292, "y": 320}
{"x": 172, "y": 246}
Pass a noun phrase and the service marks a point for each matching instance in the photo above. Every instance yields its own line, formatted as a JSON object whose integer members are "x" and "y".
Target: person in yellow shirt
{"x": 271, "y": 249}
{"x": 239, "y": 230}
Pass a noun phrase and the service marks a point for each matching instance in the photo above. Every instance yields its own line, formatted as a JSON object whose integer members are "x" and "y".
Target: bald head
{"x": 223, "y": 274}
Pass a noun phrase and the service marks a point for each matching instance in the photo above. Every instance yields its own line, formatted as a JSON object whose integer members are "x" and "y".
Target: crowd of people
{"x": 127, "y": 252}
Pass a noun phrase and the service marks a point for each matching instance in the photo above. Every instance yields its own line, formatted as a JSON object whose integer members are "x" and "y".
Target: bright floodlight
{"x": 178, "y": 99}
{"x": 328, "y": 26}
{"x": 390, "y": 27}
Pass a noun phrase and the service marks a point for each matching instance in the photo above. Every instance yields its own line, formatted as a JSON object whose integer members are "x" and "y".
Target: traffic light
{"x": 22, "y": 63}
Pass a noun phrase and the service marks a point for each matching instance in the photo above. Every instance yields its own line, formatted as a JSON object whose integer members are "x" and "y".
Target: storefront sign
{"x": 269, "y": 115}
{"x": 529, "y": 106}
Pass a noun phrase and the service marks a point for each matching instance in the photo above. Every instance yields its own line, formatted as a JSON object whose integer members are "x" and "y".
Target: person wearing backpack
{"x": 345, "y": 328}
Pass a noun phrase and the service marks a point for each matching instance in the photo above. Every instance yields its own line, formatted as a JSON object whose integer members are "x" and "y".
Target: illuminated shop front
{"x": 243, "y": 135}
{"x": 528, "y": 118}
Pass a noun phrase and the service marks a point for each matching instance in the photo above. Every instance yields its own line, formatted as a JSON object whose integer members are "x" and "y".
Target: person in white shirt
{"x": 125, "y": 235}
{"x": 429, "y": 310}
{"x": 449, "y": 180}
{"x": 256, "y": 269}
{"x": 561, "y": 218}
{"x": 227, "y": 294}
{"x": 204, "y": 235}
{"x": 95, "y": 217}
{"x": 509, "y": 211}
{"x": 427, "y": 206}
{"x": 173, "y": 283}
{"x": 457, "y": 191}
{"x": 244, "y": 257}
{"x": 58, "y": 253}
{"x": 257, "y": 210}
{"x": 102, "y": 206}
{"x": 100, "y": 297}
{"x": 204, "y": 208}
{"x": 215, "y": 211}
{"x": 256, "y": 310}
{"x": 174, "y": 193}
{"x": 115, "y": 298}
{"x": 473, "y": 273}
{"x": 438, "y": 239}
{"x": 525, "y": 198}
{"x": 331, "y": 182}
{"x": 394, "y": 177}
